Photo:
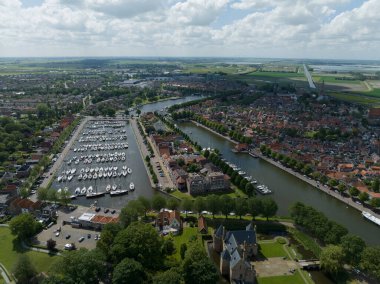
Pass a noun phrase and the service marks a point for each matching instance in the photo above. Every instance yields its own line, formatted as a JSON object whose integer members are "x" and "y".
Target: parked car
{"x": 68, "y": 237}
{"x": 57, "y": 234}
{"x": 81, "y": 239}
{"x": 113, "y": 211}
{"x": 106, "y": 210}
{"x": 89, "y": 236}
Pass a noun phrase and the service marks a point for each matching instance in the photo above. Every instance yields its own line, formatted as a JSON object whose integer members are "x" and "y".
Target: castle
{"x": 236, "y": 249}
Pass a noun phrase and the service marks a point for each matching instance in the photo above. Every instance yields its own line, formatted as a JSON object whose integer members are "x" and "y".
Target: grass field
{"x": 358, "y": 98}
{"x": 185, "y": 237}
{"x": 272, "y": 249}
{"x": 9, "y": 253}
{"x": 204, "y": 69}
{"x": 276, "y": 74}
{"x": 333, "y": 79}
{"x": 290, "y": 279}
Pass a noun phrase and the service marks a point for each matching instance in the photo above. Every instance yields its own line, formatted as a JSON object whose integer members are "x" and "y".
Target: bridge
{"x": 310, "y": 264}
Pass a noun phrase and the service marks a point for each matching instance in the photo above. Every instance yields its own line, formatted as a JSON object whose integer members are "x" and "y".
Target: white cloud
{"x": 189, "y": 27}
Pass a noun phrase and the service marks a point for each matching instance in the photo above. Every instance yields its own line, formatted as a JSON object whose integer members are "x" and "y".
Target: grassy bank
{"x": 11, "y": 250}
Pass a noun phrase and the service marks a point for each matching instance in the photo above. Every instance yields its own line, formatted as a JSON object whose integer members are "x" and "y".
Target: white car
{"x": 57, "y": 234}
{"x": 68, "y": 246}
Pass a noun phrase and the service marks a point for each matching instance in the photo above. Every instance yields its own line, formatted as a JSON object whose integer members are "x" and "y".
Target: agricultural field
{"x": 362, "y": 98}
{"x": 223, "y": 68}
{"x": 335, "y": 79}
{"x": 293, "y": 279}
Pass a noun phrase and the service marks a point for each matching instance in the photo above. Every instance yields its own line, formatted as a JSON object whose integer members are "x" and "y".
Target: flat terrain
{"x": 10, "y": 250}
{"x": 293, "y": 279}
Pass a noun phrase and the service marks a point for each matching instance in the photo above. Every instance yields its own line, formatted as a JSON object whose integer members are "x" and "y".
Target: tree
{"x": 131, "y": 212}
{"x": 227, "y": 205}
{"x": 128, "y": 271}
{"x": 138, "y": 241}
{"x": 24, "y": 226}
{"x": 254, "y": 207}
{"x": 370, "y": 261}
{"x": 353, "y": 247}
{"x": 108, "y": 235}
{"x": 375, "y": 202}
{"x": 52, "y": 195}
{"x": 182, "y": 250}
{"x": 269, "y": 207}
{"x": 186, "y": 204}
{"x": 376, "y": 185}
{"x": 146, "y": 204}
{"x": 354, "y": 191}
{"x": 168, "y": 247}
{"x": 64, "y": 197}
{"x": 173, "y": 204}
{"x": 171, "y": 276}
{"x": 342, "y": 188}
{"x": 42, "y": 194}
{"x": 158, "y": 202}
{"x": 198, "y": 268}
{"x": 76, "y": 265}
{"x": 199, "y": 204}
{"x": 50, "y": 244}
{"x": 24, "y": 270}
{"x": 334, "y": 233}
{"x": 363, "y": 196}
{"x": 332, "y": 259}
{"x": 241, "y": 207}
{"x": 213, "y": 204}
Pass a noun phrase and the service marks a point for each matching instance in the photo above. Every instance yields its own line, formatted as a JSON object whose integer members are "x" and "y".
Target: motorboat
{"x": 114, "y": 187}
{"x": 132, "y": 186}
{"x": 73, "y": 171}
{"x": 108, "y": 187}
{"x": 129, "y": 170}
{"x": 59, "y": 179}
{"x": 83, "y": 190}
{"x": 77, "y": 191}
{"x": 70, "y": 177}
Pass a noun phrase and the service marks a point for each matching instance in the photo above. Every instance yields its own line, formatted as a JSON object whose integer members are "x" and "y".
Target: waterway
{"x": 287, "y": 188}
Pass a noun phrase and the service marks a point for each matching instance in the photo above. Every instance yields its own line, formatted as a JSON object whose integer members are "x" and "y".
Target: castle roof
{"x": 219, "y": 231}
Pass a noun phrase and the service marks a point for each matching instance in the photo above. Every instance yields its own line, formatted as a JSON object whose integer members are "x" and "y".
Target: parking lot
{"x": 68, "y": 234}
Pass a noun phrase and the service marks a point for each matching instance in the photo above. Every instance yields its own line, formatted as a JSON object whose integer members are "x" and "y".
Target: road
{"x": 308, "y": 76}
{"x": 50, "y": 174}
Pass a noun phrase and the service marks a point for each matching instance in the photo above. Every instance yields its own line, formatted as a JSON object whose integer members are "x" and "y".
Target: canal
{"x": 287, "y": 188}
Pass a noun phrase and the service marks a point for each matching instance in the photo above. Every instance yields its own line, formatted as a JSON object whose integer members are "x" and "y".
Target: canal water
{"x": 287, "y": 188}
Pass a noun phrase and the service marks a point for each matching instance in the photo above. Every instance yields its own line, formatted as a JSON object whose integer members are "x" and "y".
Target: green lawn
{"x": 185, "y": 237}
{"x": 272, "y": 249}
{"x": 334, "y": 79}
{"x": 289, "y": 279}
{"x": 9, "y": 253}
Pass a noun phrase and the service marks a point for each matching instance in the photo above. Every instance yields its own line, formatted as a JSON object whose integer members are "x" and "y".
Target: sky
{"x": 326, "y": 29}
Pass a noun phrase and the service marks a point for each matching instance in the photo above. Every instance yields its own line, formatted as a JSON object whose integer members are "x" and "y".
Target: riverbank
{"x": 213, "y": 131}
{"x": 315, "y": 184}
{"x": 348, "y": 201}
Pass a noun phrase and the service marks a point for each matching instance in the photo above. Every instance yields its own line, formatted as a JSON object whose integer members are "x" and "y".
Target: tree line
{"x": 340, "y": 246}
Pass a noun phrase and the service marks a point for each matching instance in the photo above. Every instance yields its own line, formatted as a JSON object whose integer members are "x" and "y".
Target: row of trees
{"x": 237, "y": 179}
{"x": 307, "y": 169}
{"x": 214, "y": 204}
{"x": 342, "y": 248}
{"x": 52, "y": 195}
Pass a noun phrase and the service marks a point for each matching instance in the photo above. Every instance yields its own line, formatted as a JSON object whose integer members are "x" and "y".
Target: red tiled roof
{"x": 104, "y": 219}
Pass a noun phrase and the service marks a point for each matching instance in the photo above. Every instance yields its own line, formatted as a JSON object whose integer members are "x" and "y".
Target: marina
{"x": 99, "y": 167}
